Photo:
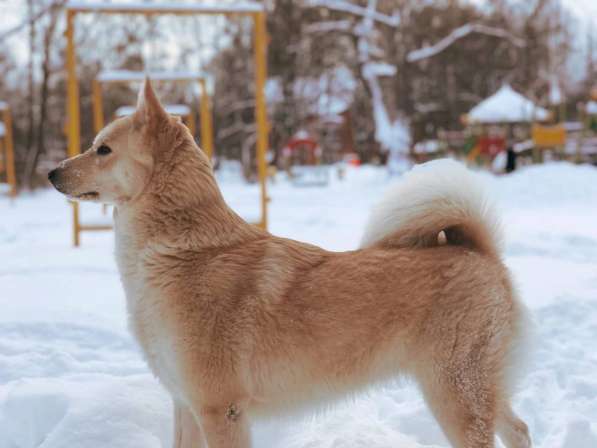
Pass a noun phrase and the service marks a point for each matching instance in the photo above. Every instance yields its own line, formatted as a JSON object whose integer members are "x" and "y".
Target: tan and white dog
{"x": 237, "y": 323}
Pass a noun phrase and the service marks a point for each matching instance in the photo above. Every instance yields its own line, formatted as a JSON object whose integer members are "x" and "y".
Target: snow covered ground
{"x": 71, "y": 376}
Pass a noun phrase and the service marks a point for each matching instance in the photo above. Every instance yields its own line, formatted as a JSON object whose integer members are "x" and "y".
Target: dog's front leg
{"x": 187, "y": 433}
{"x": 225, "y": 425}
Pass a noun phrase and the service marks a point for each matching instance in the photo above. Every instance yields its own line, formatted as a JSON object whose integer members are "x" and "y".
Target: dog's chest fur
{"x": 145, "y": 306}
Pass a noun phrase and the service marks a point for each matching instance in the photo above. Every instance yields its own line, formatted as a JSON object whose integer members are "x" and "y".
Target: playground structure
{"x": 253, "y": 10}
{"x": 500, "y": 120}
{"x": 185, "y": 112}
{"x": 302, "y": 160}
{"x": 7, "y": 162}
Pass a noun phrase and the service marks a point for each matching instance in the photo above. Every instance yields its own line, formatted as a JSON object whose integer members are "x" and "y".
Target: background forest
{"x": 370, "y": 76}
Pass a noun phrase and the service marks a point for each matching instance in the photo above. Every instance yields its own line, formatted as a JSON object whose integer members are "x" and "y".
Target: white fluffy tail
{"x": 438, "y": 196}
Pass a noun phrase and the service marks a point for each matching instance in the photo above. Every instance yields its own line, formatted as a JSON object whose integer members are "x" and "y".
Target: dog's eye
{"x": 103, "y": 150}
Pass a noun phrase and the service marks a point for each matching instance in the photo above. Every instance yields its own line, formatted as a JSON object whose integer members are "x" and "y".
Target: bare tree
{"x": 30, "y": 79}
{"x": 48, "y": 39}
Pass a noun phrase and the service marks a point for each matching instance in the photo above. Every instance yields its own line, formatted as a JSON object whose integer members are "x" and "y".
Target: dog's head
{"x": 120, "y": 162}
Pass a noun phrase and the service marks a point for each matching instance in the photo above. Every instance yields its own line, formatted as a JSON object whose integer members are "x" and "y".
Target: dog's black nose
{"x": 52, "y": 175}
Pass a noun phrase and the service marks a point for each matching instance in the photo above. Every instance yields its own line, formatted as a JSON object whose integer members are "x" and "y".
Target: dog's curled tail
{"x": 438, "y": 196}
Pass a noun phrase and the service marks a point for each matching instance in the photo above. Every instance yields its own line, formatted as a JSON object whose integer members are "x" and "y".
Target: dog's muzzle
{"x": 54, "y": 178}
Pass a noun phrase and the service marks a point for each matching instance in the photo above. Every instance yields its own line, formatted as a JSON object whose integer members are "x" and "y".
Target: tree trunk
{"x": 30, "y": 84}
{"x": 33, "y": 154}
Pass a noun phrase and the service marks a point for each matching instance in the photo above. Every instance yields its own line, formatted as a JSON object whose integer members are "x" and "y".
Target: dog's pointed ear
{"x": 149, "y": 109}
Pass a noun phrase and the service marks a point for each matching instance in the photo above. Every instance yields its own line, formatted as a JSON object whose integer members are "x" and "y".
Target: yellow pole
{"x": 207, "y": 137}
{"x": 260, "y": 108}
{"x": 98, "y": 115}
{"x": 10, "y": 158}
{"x": 190, "y": 119}
{"x": 72, "y": 87}
{"x": 76, "y": 225}
{"x": 585, "y": 124}
{"x": 98, "y": 107}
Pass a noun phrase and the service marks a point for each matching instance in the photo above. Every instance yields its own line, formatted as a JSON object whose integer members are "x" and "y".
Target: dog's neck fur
{"x": 182, "y": 207}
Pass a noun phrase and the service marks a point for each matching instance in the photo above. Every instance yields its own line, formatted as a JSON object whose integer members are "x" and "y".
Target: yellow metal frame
{"x": 7, "y": 146}
{"x": 204, "y": 105}
{"x": 254, "y": 10}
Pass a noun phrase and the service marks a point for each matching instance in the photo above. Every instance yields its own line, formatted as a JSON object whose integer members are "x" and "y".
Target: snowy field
{"x": 71, "y": 376}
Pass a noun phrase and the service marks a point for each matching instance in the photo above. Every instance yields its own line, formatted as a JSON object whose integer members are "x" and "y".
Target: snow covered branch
{"x": 375, "y": 69}
{"x": 327, "y": 26}
{"x": 459, "y": 33}
{"x": 345, "y": 6}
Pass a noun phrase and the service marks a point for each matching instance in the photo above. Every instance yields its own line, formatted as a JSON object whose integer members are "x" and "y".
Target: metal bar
{"x": 207, "y": 137}
{"x": 9, "y": 152}
{"x": 124, "y": 76}
{"x": 98, "y": 107}
{"x": 74, "y": 145}
{"x": 74, "y": 125}
{"x": 94, "y": 227}
{"x": 76, "y": 225}
{"x": 260, "y": 43}
{"x": 190, "y": 119}
{"x": 164, "y": 8}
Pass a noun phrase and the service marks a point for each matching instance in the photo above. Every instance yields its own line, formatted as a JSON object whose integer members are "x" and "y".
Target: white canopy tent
{"x": 507, "y": 106}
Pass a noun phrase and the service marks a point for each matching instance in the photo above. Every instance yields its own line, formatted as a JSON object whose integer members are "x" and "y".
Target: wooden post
{"x": 74, "y": 125}
{"x": 260, "y": 42}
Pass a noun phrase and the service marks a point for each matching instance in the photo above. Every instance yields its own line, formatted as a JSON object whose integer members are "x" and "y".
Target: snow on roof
{"x": 507, "y": 106}
{"x": 459, "y": 33}
{"x": 172, "y": 109}
{"x": 166, "y": 8}
{"x": 592, "y": 107}
{"x": 129, "y": 75}
{"x": 2, "y": 129}
{"x": 3, "y": 105}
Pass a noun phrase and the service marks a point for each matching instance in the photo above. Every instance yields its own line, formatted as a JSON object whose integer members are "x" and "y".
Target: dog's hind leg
{"x": 187, "y": 433}
{"x": 511, "y": 429}
{"x": 463, "y": 403}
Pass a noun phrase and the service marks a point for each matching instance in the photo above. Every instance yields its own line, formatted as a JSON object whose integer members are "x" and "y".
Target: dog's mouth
{"x": 87, "y": 196}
